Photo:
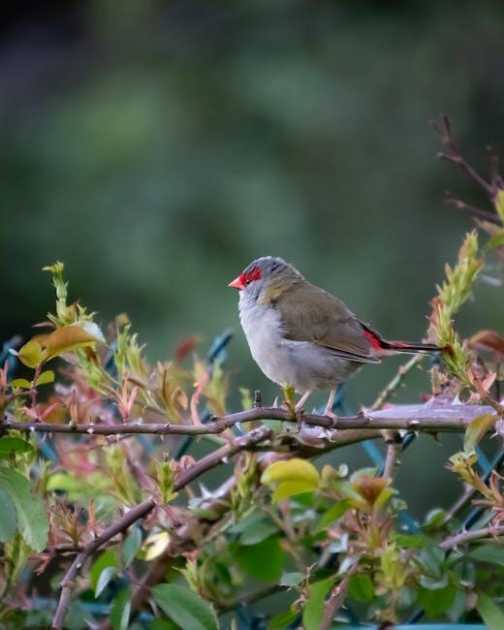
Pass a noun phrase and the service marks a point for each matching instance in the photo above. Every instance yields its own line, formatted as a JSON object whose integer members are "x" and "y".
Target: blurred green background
{"x": 157, "y": 147}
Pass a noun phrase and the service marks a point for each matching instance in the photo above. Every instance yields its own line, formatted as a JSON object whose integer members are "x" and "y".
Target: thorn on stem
{"x": 257, "y": 398}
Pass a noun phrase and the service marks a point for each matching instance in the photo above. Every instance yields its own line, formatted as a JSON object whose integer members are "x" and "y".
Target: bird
{"x": 302, "y": 336}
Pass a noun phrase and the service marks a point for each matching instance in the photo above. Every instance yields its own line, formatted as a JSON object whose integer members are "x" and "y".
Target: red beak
{"x": 237, "y": 284}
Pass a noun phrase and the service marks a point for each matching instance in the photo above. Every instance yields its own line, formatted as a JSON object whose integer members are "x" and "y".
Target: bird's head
{"x": 267, "y": 274}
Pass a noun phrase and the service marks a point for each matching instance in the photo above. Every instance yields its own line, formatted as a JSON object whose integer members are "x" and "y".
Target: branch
{"x": 336, "y": 599}
{"x": 121, "y": 525}
{"x": 396, "y": 381}
{"x": 158, "y": 569}
{"x": 393, "y": 439}
{"x": 217, "y": 457}
{"x": 452, "y": 154}
{"x": 428, "y": 417}
{"x": 486, "y": 215}
{"x": 391, "y": 458}
{"x": 144, "y": 508}
{"x": 468, "y": 536}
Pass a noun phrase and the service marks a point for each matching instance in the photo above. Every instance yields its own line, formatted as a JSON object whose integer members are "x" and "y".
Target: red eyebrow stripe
{"x": 250, "y": 276}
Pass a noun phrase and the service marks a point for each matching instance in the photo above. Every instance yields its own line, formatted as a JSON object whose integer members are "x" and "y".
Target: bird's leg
{"x": 299, "y": 408}
{"x": 300, "y": 403}
{"x": 330, "y": 402}
{"x": 289, "y": 396}
{"x": 295, "y": 408}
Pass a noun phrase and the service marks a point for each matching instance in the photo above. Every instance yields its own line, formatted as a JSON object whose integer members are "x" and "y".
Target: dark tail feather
{"x": 378, "y": 343}
{"x": 401, "y": 346}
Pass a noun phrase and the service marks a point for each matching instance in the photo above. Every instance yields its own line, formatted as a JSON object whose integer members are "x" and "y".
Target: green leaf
{"x": 314, "y": 607}
{"x": 437, "y": 602}
{"x": 8, "y": 522}
{"x": 254, "y": 528}
{"x": 383, "y": 498}
{"x": 9, "y": 445}
{"x": 184, "y": 607}
{"x": 45, "y": 378}
{"x": 21, "y": 383}
{"x": 435, "y": 519}
{"x": 79, "y": 487}
{"x": 283, "y": 620}
{"x": 291, "y": 477}
{"x": 31, "y": 354}
{"x": 491, "y": 614}
{"x": 163, "y": 624}
{"x": 457, "y": 609}
{"x": 411, "y": 541}
{"x": 291, "y": 578}
{"x": 335, "y": 512}
{"x": 70, "y": 338}
{"x": 131, "y": 546}
{"x": 348, "y": 492}
{"x": 32, "y": 519}
{"x": 261, "y": 531}
{"x": 263, "y": 561}
{"x": 155, "y": 544}
{"x": 106, "y": 559}
{"x": 434, "y": 583}
{"x": 361, "y": 588}
{"x": 431, "y": 558}
{"x": 476, "y": 429}
{"x": 493, "y": 554}
{"x": 295, "y": 469}
{"x": 499, "y": 203}
{"x": 291, "y": 488}
{"x": 103, "y": 580}
{"x": 121, "y": 610}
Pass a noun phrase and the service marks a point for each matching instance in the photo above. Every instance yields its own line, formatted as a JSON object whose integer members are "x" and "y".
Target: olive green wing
{"x": 309, "y": 313}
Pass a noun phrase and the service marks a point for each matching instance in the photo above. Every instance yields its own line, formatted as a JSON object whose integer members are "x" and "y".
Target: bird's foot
{"x": 330, "y": 414}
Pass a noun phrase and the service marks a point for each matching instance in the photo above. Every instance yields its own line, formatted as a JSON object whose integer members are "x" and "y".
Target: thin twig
{"x": 391, "y": 438}
{"x": 391, "y": 458}
{"x": 469, "y": 492}
{"x": 217, "y": 457}
{"x": 470, "y": 535}
{"x": 335, "y": 600}
{"x": 205, "y": 463}
{"x": 396, "y": 381}
{"x": 459, "y": 504}
{"x": 486, "y": 215}
{"x": 452, "y": 154}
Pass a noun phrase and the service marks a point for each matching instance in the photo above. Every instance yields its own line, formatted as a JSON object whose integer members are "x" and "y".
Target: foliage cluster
{"x": 87, "y": 445}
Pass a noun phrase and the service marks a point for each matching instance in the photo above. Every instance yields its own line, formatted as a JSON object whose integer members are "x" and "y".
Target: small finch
{"x": 302, "y": 336}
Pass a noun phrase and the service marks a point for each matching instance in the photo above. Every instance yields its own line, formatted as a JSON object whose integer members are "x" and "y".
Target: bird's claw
{"x": 330, "y": 414}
